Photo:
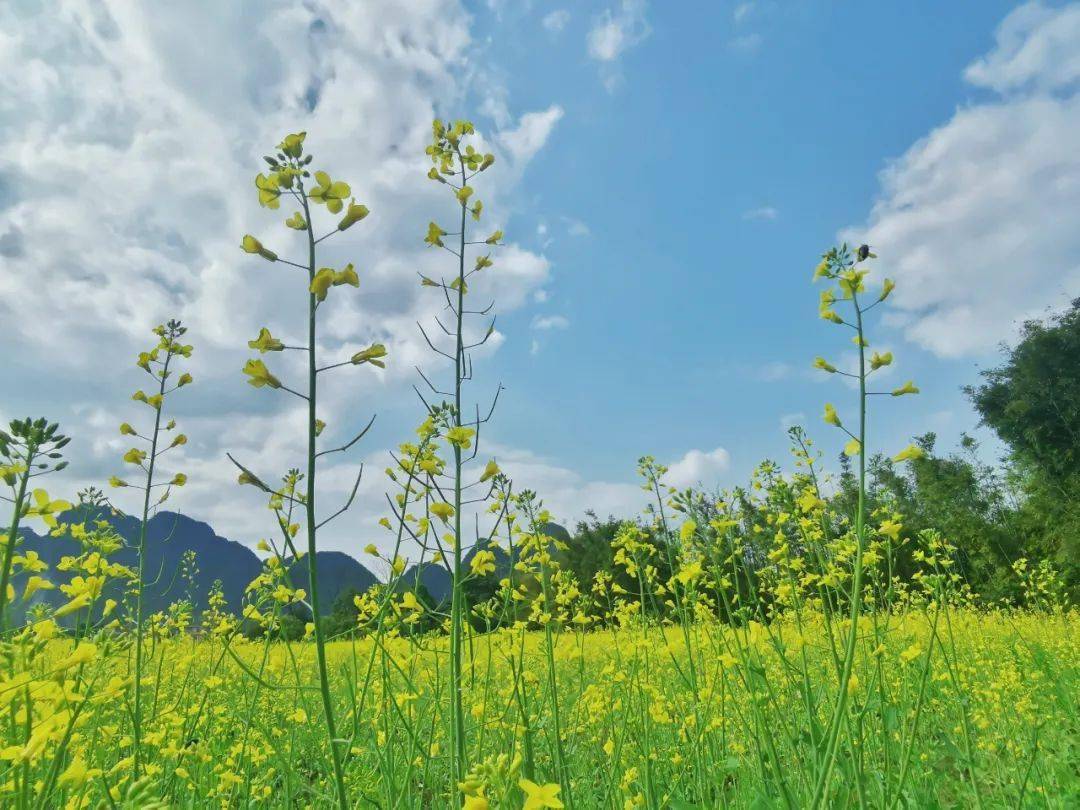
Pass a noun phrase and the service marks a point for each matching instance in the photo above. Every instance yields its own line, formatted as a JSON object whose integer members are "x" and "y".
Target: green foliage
{"x": 1032, "y": 401}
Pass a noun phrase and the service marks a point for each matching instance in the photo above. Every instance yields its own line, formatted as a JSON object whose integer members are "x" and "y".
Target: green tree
{"x": 1032, "y": 402}
{"x": 965, "y": 500}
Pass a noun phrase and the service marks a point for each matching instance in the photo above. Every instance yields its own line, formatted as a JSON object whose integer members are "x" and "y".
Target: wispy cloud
{"x": 742, "y": 11}
{"x": 612, "y": 34}
{"x": 745, "y": 43}
{"x": 548, "y": 322}
{"x": 766, "y": 212}
{"x": 556, "y": 20}
{"x": 773, "y": 371}
{"x": 575, "y": 227}
{"x": 790, "y": 420}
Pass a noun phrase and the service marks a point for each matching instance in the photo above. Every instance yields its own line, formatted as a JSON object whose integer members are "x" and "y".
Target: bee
{"x": 863, "y": 253}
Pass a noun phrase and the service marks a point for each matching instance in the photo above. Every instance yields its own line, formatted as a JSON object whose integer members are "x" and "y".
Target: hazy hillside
{"x": 170, "y": 535}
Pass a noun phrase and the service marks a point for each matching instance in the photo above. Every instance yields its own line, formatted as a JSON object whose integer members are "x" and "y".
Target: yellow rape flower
{"x": 460, "y": 436}
{"x": 886, "y": 288}
{"x": 76, "y": 604}
{"x": 434, "y": 235}
{"x": 266, "y": 342}
{"x": 35, "y": 584}
{"x": 328, "y": 192}
{"x": 269, "y": 190}
{"x": 371, "y": 354}
{"x": 353, "y": 214}
{"x": 76, "y": 774}
{"x": 293, "y": 145}
{"x": 442, "y": 510}
{"x": 879, "y": 360}
{"x": 252, "y": 245}
{"x": 907, "y": 388}
{"x": 909, "y": 453}
{"x": 321, "y": 283}
{"x": 911, "y": 653}
{"x": 259, "y": 375}
{"x": 483, "y": 563}
{"x": 538, "y": 797}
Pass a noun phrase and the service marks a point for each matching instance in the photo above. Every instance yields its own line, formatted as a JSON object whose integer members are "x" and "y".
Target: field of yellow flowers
{"x": 644, "y": 720}
{"x": 754, "y": 651}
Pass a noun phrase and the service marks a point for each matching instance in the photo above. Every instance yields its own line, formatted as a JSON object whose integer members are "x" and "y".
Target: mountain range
{"x": 170, "y": 536}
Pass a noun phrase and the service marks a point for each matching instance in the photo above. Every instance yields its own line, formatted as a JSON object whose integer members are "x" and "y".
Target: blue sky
{"x": 734, "y": 145}
{"x": 668, "y": 175}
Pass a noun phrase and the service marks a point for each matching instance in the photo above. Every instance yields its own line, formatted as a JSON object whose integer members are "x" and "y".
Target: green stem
{"x": 837, "y": 722}
{"x": 309, "y": 505}
{"x": 457, "y": 713}
{"x": 139, "y": 596}
{"x": 9, "y": 547}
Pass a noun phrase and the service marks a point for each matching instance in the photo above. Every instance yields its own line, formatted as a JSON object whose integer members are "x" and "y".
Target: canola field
{"x": 787, "y": 645}
{"x": 982, "y": 715}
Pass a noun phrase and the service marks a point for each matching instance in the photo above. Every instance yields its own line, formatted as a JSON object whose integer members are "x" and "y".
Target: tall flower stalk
{"x": 455, "y": 165}
{"x": 849, "y": 272}
{"x": 157, "y": 363}
{"x": 290, "y": 179}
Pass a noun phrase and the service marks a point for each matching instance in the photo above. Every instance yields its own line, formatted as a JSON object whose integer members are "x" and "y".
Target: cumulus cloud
{"x": 126, "y": 183}
{"x": 569, "y": 495}
{"x": 977, "y": 220}
{"x": 704, "y": 467}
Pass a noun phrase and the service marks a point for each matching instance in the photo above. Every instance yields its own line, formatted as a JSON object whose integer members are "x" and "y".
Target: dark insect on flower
{"x": 864, "y": 251}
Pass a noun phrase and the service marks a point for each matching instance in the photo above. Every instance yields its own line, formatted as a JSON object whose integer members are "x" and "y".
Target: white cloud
{"x": 131, "y": 142}
{"x": 1036, "y": 48}
{"x": 530, "y": 135}
{"x": 766, "y": 212}
{"x": 977, "y": 221}
{"x": 615, "y": 32}
{"x": 569, "y": 495}
{"x": 699, "y": 467}
{"x": 547, "y": 322}
{"x": 556, "y": 20}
